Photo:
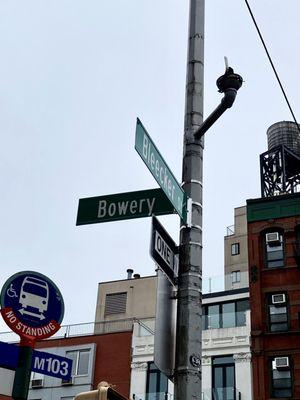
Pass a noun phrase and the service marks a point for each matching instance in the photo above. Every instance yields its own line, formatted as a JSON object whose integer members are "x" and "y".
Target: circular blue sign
{"x": 32, "y": 305}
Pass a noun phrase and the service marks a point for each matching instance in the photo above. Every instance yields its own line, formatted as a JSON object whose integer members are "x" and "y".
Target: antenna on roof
{"x": 226, "y": 62}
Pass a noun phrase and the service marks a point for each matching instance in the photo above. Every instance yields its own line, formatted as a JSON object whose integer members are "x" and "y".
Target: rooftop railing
{"x": 84, "y": 329}
{"x": 219, "y": 283}
{"x": 153, "y": 396}
{"x": 224, "y": 393}
{"x": 230, "y": 230}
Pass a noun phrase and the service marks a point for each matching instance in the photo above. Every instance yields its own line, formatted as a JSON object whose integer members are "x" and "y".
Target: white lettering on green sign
{"x": 160, "y": 171}
{"x": 120, "y": 208}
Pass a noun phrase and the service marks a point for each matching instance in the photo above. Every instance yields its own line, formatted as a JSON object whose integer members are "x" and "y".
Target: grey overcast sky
{"x": 74, "y": 75}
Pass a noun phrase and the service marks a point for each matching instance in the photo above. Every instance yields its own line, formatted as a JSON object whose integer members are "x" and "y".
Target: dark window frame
{"x": 224, "y": 366}
{"x": 220, "y": 313}
{"x": 277, "y": 323}
{"x": 235, "y": 248}
{"x": 273, "y": 389}
{"x": 236, "y": 276}
{"x": 281, "y": 260}
{"x": 161, "y": 380}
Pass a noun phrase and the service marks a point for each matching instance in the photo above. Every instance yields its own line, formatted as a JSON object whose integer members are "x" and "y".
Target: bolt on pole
{"x": 187, "y": 376}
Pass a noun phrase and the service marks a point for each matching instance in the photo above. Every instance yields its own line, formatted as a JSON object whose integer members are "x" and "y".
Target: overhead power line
{"x": 272, "y": 64}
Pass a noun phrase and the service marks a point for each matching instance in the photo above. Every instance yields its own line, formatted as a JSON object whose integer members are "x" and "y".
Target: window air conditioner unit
{"x": 273, "y": 239}
{"x": 281, "y": 363}
{"x": 67, "y": 382}
{"x": 37, "y": 383}
{"x": 278, "y": 299}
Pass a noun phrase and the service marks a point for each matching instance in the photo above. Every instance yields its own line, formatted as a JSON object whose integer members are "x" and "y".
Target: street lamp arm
{"x": 229, "y": 84}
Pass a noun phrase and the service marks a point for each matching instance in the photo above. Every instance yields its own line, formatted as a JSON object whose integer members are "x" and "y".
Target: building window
{"x": 228, "y": 315}
{"x": 235, "y": 249}
{"x": 223, "y": 378}
{"x": 36, "y": 380}
{"x": 80, "y": 360}
{"x": 236, "y": 276}
{"x": 278, "y": 313}
{"x": 281, "y": 385}
{"x": 225, "y": 315}
{"x": 241, "y": 307}
{"x": 157, "y": 383}
{"x": 274, "y": 249}
{"x": 115, "y": 303}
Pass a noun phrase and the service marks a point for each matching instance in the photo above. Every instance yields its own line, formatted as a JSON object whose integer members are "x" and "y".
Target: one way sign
{"x": 164, "y": 250}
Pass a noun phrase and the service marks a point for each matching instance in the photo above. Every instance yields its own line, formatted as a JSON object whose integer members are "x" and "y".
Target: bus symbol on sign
{"x": 34, "y": 294}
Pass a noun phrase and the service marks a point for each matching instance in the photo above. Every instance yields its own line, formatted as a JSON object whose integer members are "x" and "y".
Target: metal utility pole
{"x": 187, "y": 375}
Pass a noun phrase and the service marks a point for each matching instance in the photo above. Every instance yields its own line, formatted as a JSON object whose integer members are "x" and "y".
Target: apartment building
{"x": 274, "y": 261}
{"x": 236, "y": 251}
{"x": 274, "y": 232}
{"x": 226, "y": 359}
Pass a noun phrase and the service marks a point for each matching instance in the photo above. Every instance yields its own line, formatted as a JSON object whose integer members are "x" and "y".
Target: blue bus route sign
{"x": 51, "y": 364}
{"x": 42, "y": 362}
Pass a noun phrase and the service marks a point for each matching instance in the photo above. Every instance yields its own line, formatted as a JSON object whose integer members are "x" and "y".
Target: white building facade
{"x": 226, "y": 358}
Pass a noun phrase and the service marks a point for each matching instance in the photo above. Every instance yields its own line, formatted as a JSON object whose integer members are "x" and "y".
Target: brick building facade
{"x": 274, "y": 276}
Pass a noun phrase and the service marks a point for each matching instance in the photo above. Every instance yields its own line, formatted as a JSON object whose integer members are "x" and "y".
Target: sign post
{"x": 33, "y": 307}
{"x": 23, "y": 371}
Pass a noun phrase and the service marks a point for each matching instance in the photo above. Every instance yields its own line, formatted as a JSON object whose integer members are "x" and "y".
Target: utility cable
{"x": 272, "y": 64}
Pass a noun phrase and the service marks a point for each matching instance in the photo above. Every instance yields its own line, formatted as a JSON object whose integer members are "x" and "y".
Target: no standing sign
{"x": 32, "y": 305}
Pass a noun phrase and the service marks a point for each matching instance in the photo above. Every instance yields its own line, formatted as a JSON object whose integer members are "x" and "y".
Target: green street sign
{"x": 115, "y": 207}
{"x": 160, "y": 170}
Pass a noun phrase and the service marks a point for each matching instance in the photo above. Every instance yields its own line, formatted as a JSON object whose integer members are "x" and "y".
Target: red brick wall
{"x": 265, "y": 345}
